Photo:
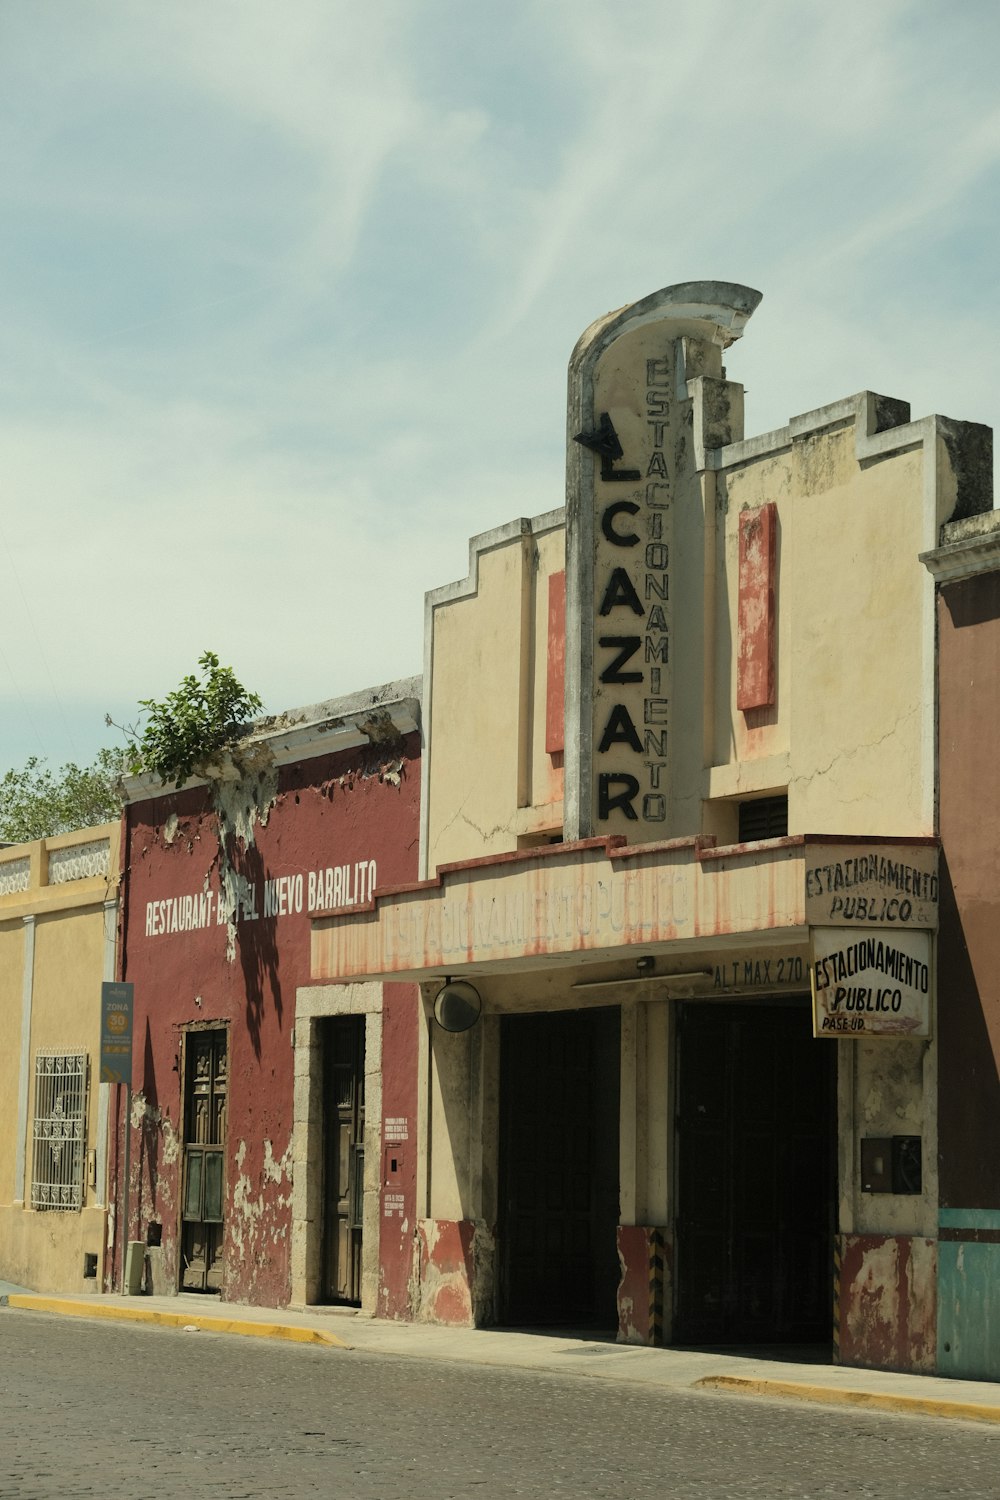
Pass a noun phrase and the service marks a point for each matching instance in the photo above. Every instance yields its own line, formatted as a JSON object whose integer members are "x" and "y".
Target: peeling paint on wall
{"x": 888, "y": 1302}
{"x": 455, "y": 1276}
{"x": 241, "y": 803}
{"x": 277, "y": 825}
{"x": 158, "y": 1147}
{"x": 258, "y": 1218}
{"x": 643, "y": 1288}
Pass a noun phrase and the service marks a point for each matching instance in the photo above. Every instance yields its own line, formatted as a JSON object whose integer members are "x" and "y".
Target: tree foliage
{"x": 36, "y": 802}
{"x": 182, "y": 734}
{"x": 191, "y": 725}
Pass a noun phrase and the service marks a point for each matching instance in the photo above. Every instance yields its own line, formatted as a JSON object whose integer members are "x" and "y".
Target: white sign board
{"x": 887, "y": 885}
{"x": 871, "y": 983}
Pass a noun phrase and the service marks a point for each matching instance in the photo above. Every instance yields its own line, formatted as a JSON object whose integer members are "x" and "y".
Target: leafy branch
{"x": 185, "y": 730}
{"x": 36, "y": 803}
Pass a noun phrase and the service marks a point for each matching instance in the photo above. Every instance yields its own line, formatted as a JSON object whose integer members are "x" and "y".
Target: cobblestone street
{"x": 135, "y": 1411}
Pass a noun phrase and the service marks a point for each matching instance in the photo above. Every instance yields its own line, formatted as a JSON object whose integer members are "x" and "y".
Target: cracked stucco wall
{"x": 491, "y": 783}
{"x": 845, "y": 606}
{"x": 850, "y": 732}
{"x": 454, "y": 1276}
{"x": 154, "y": 1182}
{"x": 887, "y": 1088}
{"x": 260, "y": 1197}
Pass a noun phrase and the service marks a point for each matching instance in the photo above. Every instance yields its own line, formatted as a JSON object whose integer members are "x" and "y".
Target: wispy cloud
{"x": 287, "y": 292}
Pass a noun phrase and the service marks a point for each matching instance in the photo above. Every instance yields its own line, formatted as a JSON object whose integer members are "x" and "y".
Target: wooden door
{"x": 344, "y": 1176}
{"x": 206, "y": 1088}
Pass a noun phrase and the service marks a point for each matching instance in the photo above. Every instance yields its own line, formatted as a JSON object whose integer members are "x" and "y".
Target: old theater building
{"x": 675, "y": 927}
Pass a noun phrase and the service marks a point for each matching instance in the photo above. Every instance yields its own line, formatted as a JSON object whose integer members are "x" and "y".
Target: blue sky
{"x": 287, "y": 292}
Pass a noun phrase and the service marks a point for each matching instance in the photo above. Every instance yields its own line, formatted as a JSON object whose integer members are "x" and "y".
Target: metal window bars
{"x": 60, "y": 1130}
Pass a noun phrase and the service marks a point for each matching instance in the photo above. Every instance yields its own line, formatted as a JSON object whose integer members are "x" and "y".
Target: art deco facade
{"x": 679, "y": 834}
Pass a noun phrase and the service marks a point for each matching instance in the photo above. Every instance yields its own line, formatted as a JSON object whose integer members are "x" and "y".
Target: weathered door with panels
{"x": 206, "y": 1084}
{"x": 344, "y": 1134}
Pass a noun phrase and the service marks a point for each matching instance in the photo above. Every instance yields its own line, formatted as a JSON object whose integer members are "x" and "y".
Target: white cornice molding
{"x": 488, "y": 541}
{"x": 319, "y": 729}
{"x": 863, "y": 409}
{"x": 966, "y": 556}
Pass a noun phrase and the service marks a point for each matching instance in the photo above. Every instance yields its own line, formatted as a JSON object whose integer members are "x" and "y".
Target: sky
{"x": 288, "y": 290}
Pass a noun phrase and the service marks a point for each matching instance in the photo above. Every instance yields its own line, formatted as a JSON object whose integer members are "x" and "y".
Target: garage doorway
{"x": 756, "y": 1174}
{"x": 559, "y": 1090}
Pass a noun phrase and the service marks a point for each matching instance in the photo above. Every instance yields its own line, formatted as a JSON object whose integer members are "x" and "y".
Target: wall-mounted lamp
{"x": 457, "y": 1005}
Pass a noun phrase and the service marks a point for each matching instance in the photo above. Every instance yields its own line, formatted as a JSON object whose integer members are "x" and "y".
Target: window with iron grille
{"x": 764, "y": 818}
{"x": 60, "y": 1130}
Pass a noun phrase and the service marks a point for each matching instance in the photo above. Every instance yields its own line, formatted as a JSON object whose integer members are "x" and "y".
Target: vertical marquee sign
{"x": 632, "y": 492}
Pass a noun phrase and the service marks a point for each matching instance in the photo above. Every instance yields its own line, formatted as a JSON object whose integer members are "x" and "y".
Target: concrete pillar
{"x": 24, "y": 1071}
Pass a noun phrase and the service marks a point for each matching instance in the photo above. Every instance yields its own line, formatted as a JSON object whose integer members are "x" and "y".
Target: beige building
{"x": 678, "y": 834}
{"x": 58, "y": 920}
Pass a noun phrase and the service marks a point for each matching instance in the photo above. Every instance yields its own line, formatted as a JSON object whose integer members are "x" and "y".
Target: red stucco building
{"x": 966, "y": 568}
{"x": 255, "y": 1151}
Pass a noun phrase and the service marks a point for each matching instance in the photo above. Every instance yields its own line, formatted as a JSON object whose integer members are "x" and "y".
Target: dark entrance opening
{"x": 559, "y": 1087}
{"x": 756, "y": 1175}
{"x": 343, "y": 1156}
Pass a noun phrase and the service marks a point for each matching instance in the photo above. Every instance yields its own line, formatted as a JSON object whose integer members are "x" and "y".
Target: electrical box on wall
{"x": 393, "y": 1165}
{"x": 891, "y": 1164}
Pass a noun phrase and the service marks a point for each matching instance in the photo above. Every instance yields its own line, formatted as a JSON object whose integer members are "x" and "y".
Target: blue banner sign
{"x": 116, "y": 1033}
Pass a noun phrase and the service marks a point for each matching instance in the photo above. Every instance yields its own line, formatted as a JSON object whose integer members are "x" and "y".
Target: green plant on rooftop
{"x": 184, "y": 733}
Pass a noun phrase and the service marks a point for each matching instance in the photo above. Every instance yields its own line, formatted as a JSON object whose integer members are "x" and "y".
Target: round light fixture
{"x": 457, "y": 1005}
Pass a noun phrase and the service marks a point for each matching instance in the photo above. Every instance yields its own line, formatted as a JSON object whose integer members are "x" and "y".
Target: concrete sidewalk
{"x": 344, "y": 1330}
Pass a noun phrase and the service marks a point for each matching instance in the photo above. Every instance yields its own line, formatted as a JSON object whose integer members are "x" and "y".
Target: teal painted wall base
{"x": 969, "y": 1296}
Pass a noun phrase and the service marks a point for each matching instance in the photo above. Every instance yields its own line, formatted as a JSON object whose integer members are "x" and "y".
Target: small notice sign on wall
{"x": 870, "y": 983}
{"x": 116, "y": 1033}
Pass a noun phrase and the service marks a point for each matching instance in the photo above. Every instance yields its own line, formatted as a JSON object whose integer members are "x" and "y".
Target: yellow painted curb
{"x": 115, "y": 1312}
{"x": 917, "y": 1406}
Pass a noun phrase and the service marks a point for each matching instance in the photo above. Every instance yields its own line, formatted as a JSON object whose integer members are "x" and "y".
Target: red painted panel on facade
{"x": 400, "y": 1019}
{"x": 756, "y": 650}
{"x": 447, "y": 1271}
{"x": 888, "y": 1302}
{"x": 325, "y": 830}
{"x": 644, "y": 1255}
{"x": 555, "y": 704}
